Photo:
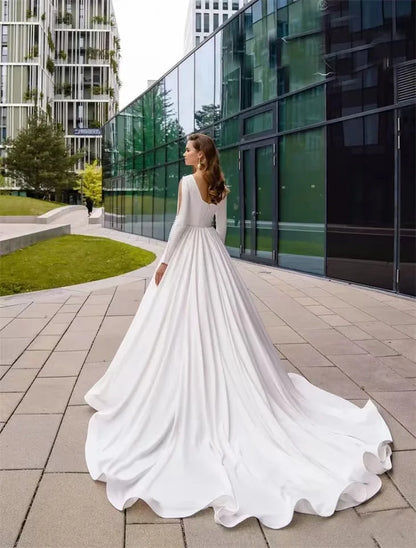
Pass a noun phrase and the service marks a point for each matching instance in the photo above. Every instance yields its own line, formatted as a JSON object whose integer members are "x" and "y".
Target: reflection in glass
{"x": 302, "y": 109}
{"x": 206, "y": 113}
{"x": 360, "y": 197}
{"x": 159, "y": 203}
{"x": 302, "y": 201}
{"x": 137, "y": 204}
{"x": 147, "y": 229}
{"x": 186, "y": 95}
{"x": 231, "y": 67}
{"x": 264, "y": 201}
{"x": 229, "y": 165}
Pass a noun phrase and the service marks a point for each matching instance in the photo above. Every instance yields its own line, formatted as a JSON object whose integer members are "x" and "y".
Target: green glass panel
{"x": 137, "y": 204}
{"x": 231, "y": 67}
{"x": 248, "y": 202}
{"x": 304, "y": 16}
{"x": 229, "y": 166}
{"x": 147, "y": 203}
{"x": 302, "y": 201}
{"x": 159, "y": 203}
{"x": 172, "y": 152}
{"x": 160, "y": 155}
{"x": 302, "y": 109}
{"x": 258, "y": 123}
{"x": 186, "y": 95}
{"x": 170, "y": 101}
{"x": 227, "y": 132}
{"x": 205, "y": 110}
{"x": 264, "y": 198}
{"x": 259, "y": 67}
{"x": 172, "y": 182}
{"x": 301, "y": 63}
{"x": 149, "y": 159}
{"x": 159, "y": 114}
{"x": 148, "y": 128}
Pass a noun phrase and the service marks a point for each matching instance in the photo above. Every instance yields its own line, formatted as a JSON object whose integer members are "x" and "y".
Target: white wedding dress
{"x": 196, "y": 411}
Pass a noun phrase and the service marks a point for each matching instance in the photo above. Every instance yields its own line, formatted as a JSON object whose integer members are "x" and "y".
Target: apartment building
{"x": 62, "y": 57}
{"x": 204, "y": 16}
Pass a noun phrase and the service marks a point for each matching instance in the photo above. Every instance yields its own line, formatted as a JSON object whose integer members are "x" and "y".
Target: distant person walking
{"x": 89, "y": 203}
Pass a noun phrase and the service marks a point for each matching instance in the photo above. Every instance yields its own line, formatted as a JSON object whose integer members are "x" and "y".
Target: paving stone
{"x": 55, "y": 329}
{"x": 409, "y": 330}
{"x": 402, "y": 438}
{"x": 3, "y": 370}
{"x": 370, "y": 374}
{"x": 318, "y": 309}
{"x": 401, "y": 405}
{"x": 17, "y": 488}
{"x": 391, "y": 528}
{"x": 70, "y": 308}
{"x": 140, "y": 512}
{"x": 64, "y": 364}
{"x": 330, "y": 342}
{"x": 306, "y": 301}
{"x": 99, "y": 299}
{"x": 11, "y": 311}
{"x": 4, "y": 322}
{"x": 303, "y": 355}
{"x": 104, "y": 291}
{"x": 63, "y": 317}
{"x": 26, "y": 440}
{"x": 334, "y": 320}
{"x": 315, "y": 292}
{"x": 2, "y": 425}
{"x": 343, "y": 529}
{"x": 12, "y": 348}
{"x": 406, "y": 347}
{"x": 77, "y": 299}
{"x": 77, "y": 340}
{"x": 283, "y": 334}
{"x": 93, "y": 310}
{"x": 354, "y": 315}
{"x": 270, "y": 319}
{"x": 109, "y": 337}
{"x": 72, "y": 511}
{"x": 89, "y": 375}
{"x": 39, "y": 310}
{"x": 403, "y": 474}
{"x": 154, "y": 535}
{"x": 85, "y": 323}
{"x": 333, "y": 380}
{"x": 353, "y": 333}
{"x": 24, "y": 328}
{"x": 47, "y": 395}
{"x": 381, "y": 331}
{"x": 377, "y": 348}
{"x": 44, "y": 342}
{"x": 332, "y": 302}
{"x": 17, "y": 380}
{"x": 201, "y": 528}
{"x": 68, "y": 450}
{"x": 8, "y": 403}
{"x": 400, "y": 364}
{"x": 390, "y": 316}
{"x": 32, "y": 359}
{"x": 386, "y": 499}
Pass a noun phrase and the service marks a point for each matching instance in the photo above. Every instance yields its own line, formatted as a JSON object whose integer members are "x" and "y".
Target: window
{"x": 197, "y": 40}
{"x": 216, "y": 22}
{"x": 206, "y": 22}
{"x": 198, "y": 22}
{"x": 215, "y": 5}
{"x": 225, "y": 5}
{"x": 207, "y": 5}
{"x": 235, "y": 6}
{"x": 224, "y": 17}
{"x": 198, "y": 4}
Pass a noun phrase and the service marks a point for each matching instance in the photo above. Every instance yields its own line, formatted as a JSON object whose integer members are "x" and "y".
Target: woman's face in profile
{"x": 190, "y": 155}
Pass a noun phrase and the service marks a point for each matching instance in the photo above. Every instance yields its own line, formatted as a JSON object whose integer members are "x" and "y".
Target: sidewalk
{"x": 356, "y": 342}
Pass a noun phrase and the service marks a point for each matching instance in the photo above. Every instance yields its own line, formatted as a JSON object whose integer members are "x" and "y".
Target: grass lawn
{"x": 20, "y": 205}
{"x": 68, "y": 260}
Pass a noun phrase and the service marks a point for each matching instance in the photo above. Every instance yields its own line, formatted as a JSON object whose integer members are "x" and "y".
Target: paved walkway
{"x": 356, "y": 342}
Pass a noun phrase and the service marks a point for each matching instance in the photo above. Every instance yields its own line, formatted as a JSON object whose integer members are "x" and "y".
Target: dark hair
{"x": 212, "y": 173}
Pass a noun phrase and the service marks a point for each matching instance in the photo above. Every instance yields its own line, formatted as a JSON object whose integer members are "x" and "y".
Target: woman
{"x": 195, "y": 409}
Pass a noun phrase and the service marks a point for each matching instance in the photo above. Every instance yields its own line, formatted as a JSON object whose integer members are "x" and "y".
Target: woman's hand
{"x": 159, "y": 272}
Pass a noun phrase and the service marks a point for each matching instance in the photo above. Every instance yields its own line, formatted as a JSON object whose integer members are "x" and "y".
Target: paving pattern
{"x": 356, "y": 342}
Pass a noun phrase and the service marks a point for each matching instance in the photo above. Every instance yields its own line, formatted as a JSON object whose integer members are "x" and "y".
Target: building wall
{"x": 62, "y": 57}
{"x": 312, "y": 107}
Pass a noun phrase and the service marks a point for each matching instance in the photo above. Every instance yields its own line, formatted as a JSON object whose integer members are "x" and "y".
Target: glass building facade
{"x": 312, "y": 106}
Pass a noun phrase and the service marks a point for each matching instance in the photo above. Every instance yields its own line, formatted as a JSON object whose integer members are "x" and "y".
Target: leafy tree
{"x": 90, "y": 182}
{"x": 37, "y": 159}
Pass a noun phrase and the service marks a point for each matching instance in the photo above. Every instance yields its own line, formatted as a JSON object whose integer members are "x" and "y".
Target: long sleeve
{"x": 221, "y": 219}
{"x": 180, "y": 223}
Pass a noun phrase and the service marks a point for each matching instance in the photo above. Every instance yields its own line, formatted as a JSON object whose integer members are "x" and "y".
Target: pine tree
{"x": 37, "y": 159}
{"x": 90, "y": 182}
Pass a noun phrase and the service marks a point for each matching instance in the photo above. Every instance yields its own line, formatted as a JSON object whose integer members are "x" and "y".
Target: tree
{"x": 90, "y": 182}
{"x": 37, "y": 159}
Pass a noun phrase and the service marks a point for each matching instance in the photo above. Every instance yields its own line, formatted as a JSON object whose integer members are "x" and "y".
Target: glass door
{"x": 258, "y": 189}
{"x": 406, "y": 238}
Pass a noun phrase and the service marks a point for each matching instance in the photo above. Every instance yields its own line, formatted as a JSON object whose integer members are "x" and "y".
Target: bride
{"x": 195, "y": 409}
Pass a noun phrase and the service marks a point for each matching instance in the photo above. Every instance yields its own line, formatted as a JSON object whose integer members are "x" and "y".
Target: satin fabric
{"x": 196, "y": 411}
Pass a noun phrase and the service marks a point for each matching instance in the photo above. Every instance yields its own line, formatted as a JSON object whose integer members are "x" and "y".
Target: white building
{"x": 204, "y": 16}
{"x": 62, "y": 57}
